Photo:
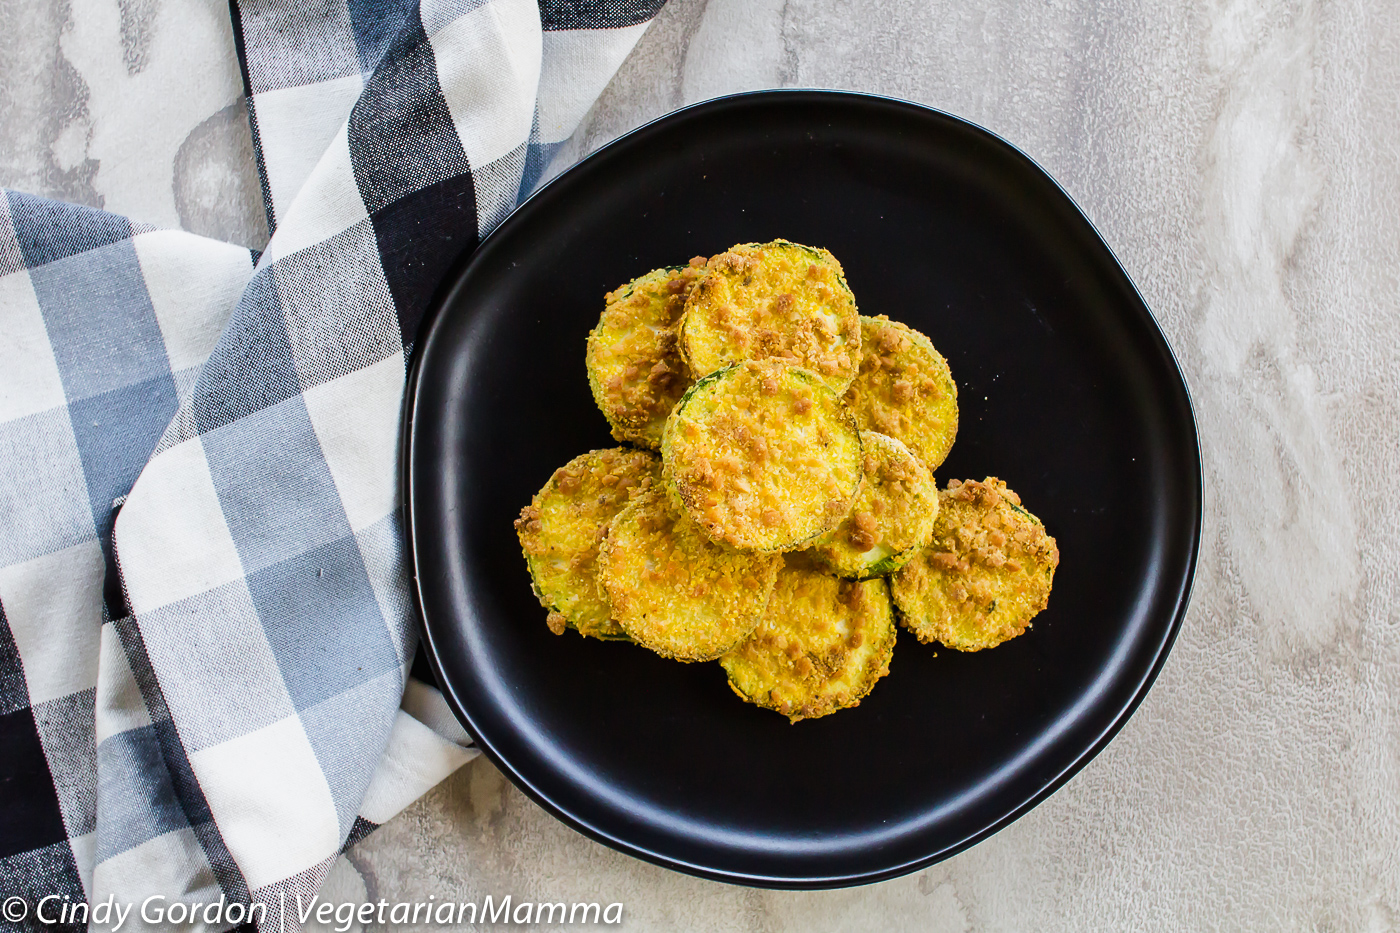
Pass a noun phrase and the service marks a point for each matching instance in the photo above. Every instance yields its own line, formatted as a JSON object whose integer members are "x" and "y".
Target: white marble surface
{"x": 1243, "y": 159}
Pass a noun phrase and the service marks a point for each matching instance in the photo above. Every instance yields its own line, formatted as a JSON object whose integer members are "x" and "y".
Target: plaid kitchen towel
{"x": 205, "y": 626}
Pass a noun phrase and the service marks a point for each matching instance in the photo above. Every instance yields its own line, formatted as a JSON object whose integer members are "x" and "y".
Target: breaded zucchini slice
{"x": 763, "y": 455}
{"x": 905, "y": 390}
{"x": 676, "y": 591}
{"x": 892, "y": 517}
{"x": 986, "y": 574}
{"x": 820, "y": 647}
{"x": 775, "y": 300}
{"x": 634, "y": 361}
{"x": 561, "y": 528}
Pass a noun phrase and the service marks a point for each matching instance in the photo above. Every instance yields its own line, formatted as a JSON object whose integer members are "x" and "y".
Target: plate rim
{"x": 429, "y": 326}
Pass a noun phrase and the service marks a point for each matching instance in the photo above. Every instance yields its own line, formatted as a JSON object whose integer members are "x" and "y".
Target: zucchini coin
{"x": 562, "y": 526}
{"x": 673, "y": 589}
{"x": 820, "y": 647}
{"x": 986, "y": 574}
{"x": 634, "y": 362}
{"x": 763, "y": 455}
{"x": 905, "y": 390}
{"x": 892, "y": 518}
{"x": 776, "y": 300}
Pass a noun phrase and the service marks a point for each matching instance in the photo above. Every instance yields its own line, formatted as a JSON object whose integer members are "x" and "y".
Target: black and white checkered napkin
{"x": 205, "y": 628}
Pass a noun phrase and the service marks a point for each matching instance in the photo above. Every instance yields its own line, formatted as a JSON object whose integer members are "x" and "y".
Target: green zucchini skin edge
{"x": 668, "y": 433}
{"x": 632, "y": 285}
{"x": 621, "y": 433}
{"x": 809, "y": 250}
{"x": 884, "y": 567}
{"x": 814, "y": 253}
{"x": 888, "y": 565}
{"x": 668, "y": 480}
{"x": 568, "y": 623}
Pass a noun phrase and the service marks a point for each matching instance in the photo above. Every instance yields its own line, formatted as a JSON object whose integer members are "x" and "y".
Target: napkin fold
{"x": 205, "y": 624}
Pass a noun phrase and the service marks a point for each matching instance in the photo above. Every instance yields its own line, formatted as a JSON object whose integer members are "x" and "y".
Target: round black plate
{"x": 1067, "y": 391}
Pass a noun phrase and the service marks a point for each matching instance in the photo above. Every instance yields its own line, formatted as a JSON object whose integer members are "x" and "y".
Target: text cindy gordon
{"x": 162, "y": 911}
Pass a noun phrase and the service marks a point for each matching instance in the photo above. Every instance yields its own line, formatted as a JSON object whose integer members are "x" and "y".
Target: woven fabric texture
{"x": 205, "y": 626}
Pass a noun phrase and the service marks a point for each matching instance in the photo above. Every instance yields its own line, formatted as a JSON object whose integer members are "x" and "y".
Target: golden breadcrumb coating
{"x": 791, "y": 521}
{"x": 905, "y": 390}
{"x": 762, "y": 455}
{"x": 777, "y": 300}
{"x": 635, "y": 367}
{"x": 986, "y": 574}
{"x": 676, "y": 591}
{"x": 892, "y": 517}
{"x": 561, "y": 528}
{"x": 820, "y": 647}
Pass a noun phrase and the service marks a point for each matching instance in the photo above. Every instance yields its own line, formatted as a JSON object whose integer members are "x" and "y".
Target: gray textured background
{"x": 1243, "y": 159}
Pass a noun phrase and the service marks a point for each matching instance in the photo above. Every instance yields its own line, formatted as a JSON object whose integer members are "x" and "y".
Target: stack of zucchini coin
{"x": 776, "y": 508}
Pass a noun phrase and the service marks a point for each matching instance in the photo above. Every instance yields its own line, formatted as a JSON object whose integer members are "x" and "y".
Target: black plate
{"x": 1068, "y": 391}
